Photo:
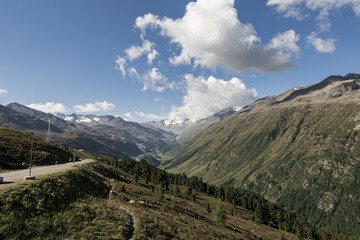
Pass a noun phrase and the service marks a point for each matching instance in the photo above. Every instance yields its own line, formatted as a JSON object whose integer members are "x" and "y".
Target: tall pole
{"x": 31, "y": 150}
{"x": 48, "y": 133}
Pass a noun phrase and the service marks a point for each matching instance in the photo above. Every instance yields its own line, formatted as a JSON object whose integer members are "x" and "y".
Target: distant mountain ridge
{"x": 303, "y": 90}
{"x": 300, "y": 149}
{"x": 18, "y": 117}
{"x": 187, "y": 128}
{"x": 150, "y": 138}
{"x": 100, "y": 134}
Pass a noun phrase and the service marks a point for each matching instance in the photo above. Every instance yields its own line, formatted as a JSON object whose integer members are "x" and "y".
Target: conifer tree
{"x": 219, "y": 214}
{"x": 207, "y": 207}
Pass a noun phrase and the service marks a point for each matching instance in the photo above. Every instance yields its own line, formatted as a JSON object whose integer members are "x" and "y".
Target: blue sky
{"x": 145, "y": 60}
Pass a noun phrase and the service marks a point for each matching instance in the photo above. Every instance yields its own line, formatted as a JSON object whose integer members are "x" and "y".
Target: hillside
{"x": 18, "y": 117}
{"x": 300, "y": 149}
{"x": 15, "y": 150}
{"x": 107, "y": 134}
{"x": 93, "y": 202}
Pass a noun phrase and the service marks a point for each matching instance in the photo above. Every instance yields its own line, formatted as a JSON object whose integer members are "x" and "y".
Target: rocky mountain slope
{"x": 101, "y": 134}
{"x": 18, "y": 117}
{"x": 150, "y": 139}
{"x": 300, "y": 149}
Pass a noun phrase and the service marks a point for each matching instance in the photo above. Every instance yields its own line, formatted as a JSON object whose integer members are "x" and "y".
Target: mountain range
{"x": 301, "y": 149}
{"x": 18, "y": 117}
{"x": 109, "y": 135}
{"x": 186, "y": 129}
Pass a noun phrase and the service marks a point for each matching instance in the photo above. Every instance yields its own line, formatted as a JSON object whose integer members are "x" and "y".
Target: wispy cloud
{"x": 49, "y": 107}
{"x": 151, "y": 56}
{"x": 149, "y": 116}
{"x": 95, "y": 107}
{"x": 3, "y": 92}
{"x": 300, "y": 9}
{"x": 155, "y": 81}
{"x": 135, "y": 52}
{"x": 120, "y": 64}
{"x": 321, "y": 45}
{"x": 320, "y": 11}
{"x": 129, "y": 115}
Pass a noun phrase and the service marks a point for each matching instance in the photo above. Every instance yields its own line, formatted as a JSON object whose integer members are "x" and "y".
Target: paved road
{"x": 16, "y": 176}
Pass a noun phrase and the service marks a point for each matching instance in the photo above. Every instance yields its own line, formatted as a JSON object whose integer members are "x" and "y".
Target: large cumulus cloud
{"x": 205, "y": 97}
{"x": 211, "y": 35}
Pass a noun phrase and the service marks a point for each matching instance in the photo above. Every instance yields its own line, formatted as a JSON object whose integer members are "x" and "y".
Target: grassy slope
{"x": 305, "y": 157}
{"x": 66, "y": 205}
{"x": 15, "y": 149}
{"x": 74, "y": 205}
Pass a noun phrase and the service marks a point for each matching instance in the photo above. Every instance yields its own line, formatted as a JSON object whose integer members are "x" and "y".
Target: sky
{"x": 149, "y": 60}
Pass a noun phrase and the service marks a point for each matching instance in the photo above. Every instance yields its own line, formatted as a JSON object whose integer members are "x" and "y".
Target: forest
{"x": 264, "y": 211}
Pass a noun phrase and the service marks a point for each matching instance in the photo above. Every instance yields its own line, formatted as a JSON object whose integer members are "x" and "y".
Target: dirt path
{"x": 133, "y": 219}
{"x": 16, "y": 176}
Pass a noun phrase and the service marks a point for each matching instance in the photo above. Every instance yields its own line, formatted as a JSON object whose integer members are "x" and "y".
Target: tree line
{"x": 264, "y": 211}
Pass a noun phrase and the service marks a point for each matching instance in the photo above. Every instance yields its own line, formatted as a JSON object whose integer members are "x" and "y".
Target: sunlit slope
{"x": 301, "y": 150}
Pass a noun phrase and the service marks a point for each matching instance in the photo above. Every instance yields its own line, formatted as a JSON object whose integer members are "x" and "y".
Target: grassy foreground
{"x": 67, "y": 205}
{"x": 77, "y": 204}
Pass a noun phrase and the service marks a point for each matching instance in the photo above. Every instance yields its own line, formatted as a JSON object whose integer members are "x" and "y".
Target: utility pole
{"x": 31, "y": 156}
{"x": 48, "y": 133}
{"x": 31, "y": 151}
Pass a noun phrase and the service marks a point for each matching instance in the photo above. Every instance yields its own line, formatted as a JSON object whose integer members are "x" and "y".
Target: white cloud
{"x": 211, "y": 35}
{"x": 133, "y": 73}
{"x": 3, "y": 92}
{"x": 298, "y": 9}
{"x": 205, "y": 97}
{"x": 135, "y": 52}
{"x": 155, "y": 81}
{"x": 151, "y": 56}
{"x": 321, "y": 45}
{"x": 285, "y": 42}
{"x": 120, "y": 65}
{"x": 322, "y": 9}
{"x": 288, "y": 7}
{"x": 95, "y": 107}
{"x": 157, "y": 99}
{"x": 149, "y": 116}
{"x": 49, "y": 107}
{"x": 129, "y": 115}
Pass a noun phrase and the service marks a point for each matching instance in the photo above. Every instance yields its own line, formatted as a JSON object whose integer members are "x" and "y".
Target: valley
{"x": 94, "y": 201}
{"x": 193, "y": 119}
{"x": 300, "y": 150}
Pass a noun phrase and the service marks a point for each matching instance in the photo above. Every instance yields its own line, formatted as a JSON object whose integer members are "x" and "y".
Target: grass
{"x": 283, "y": 152}
{"x": 179, "y": 217}
{"x": 70, "y": 204}
{"x": 73, "y": 204}
{"x": 15, "y": 150}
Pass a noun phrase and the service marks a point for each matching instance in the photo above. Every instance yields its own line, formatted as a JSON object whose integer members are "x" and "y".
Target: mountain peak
{"x": 327, "y": 88}
{"x": 352, "y": 76}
